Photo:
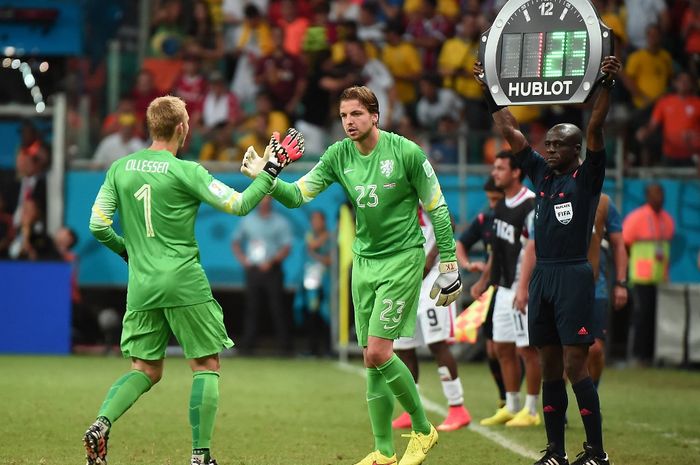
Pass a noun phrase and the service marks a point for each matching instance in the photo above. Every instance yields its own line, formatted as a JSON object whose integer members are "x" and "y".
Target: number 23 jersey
{"x": 384, "y": 187}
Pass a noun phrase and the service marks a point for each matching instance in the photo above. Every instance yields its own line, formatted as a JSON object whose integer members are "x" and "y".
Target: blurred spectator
{"x": 304, "y": 7}
{"x": 647, "y": 74}
{"x": 32, "y": 242}
{"x": 403, "y": 62}
{"x": 282, "y": 76}
{"x": 143, "y": 93}
{"x": 347, "y": 32}
{"x": 32, "y": 162}
{"x": 648, "y": 70}
{"x": 7, "y": 228}
{"x": 344, "y": 10}
{"x": 257, "y": 128}
{"x": 119, "y": 144}
{"x": 678, "y": 114}
{"x": 407, "y": 128}
{"x": 204, "y": 40}
{"x": 647, "y": 232}
{"x": 458, "y": 56}
{"x": 294, "y": 26}
{"x": 255, "y": 41}
{"x": 233, "y": 15}
{"x": 443, "y": 145}
{"x": 220, "y": 147}
{"x": 436, "y": 102}
{"x": 319, "y": 35}
{"x": 220, "y": 105}
{"x": 318, "y": 261}
{"x": 390, "y": 10}
{"x": 614, "y": 20}
{"x": 640, "y": 15}
{"x": 690, "y": 30}
{"x": 261, "y": 242}
{"x": 427, "y": 29}
{"x": 191, "y": 87}
{"x": 168, "y": 26}
{"x": 455, "y": 63}
{"x": 126, "y": 105}
{"x": 369, "y": 27}
{"x": 371, "y": 73}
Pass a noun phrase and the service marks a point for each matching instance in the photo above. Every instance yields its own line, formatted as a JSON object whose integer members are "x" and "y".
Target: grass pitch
{"x": 308, "y": 412}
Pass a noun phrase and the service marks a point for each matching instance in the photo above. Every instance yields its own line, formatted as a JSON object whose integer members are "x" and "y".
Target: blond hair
{"x": 364, "y": 95}
{"x": 163, "y": 115}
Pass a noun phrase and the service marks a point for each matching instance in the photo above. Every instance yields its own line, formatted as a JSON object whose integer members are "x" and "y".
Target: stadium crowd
{"x": 247, "y": 68}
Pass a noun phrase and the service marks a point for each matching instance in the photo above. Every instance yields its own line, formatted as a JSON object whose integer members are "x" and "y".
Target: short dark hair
{"x": 514, "y": 162}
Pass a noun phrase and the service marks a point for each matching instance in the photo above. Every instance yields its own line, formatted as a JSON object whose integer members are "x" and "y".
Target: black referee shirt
{"x": 481, "y": 229}
{"x": 566, "y": 205}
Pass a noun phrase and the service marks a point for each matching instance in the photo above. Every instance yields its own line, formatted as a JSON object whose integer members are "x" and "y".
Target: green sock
{"x": 380, "y": 403}
{"x": 400, "y": 381}
{"x": 123, "y": 393}
{"x": 204, "y": 401}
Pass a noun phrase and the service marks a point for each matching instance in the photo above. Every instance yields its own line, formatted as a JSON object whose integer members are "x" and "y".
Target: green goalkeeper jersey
{"x": 385, "y": 187}
{"x": 157, "y": 196}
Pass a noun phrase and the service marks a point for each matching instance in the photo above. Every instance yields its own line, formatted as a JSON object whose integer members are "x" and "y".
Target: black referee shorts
{"x": 561, "y": 304}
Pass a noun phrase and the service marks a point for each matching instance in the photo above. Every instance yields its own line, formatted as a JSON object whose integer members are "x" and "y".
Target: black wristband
{"x": 272, "y": 169}
{"x": 125, "y": 256}
{"x": 491, "y": 103}
{"x": 621, "y": 283}
{"x": 607, "y": 83}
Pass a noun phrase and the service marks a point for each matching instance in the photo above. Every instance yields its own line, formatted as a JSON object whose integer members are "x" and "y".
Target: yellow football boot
{"x": 376, "y": 458}
{"x": 502, "y": 416}
{"x": 524, "y": 418}
{"x": 418, "y": 446}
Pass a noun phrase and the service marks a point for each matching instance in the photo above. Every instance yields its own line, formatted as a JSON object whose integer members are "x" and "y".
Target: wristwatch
{"x": 621, "y": 282}
{"x": 608, "y": 83}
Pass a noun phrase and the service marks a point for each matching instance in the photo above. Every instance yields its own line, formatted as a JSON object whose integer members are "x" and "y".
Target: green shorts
{"x": 385, "y": 294}
{"x": 198, "y": 328}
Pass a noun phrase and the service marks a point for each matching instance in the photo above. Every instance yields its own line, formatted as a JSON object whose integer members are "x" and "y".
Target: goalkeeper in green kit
{"x": 384, "y": 175}
{"x": 158, "y": 196}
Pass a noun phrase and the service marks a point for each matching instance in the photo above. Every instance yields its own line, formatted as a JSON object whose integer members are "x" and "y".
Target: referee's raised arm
{"x": 594, "y": 133}
{"x": 504, "y": 119}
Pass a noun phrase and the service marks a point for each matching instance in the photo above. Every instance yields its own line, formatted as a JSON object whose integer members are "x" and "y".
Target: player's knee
{"x": 438, "y": 348}
{"x": 505, "y": 351}
{"x": 376, "y": 356}
{"x": 575, "y": 366}
{"x": 596, "y": 350}
{"x": 154, "y": 374}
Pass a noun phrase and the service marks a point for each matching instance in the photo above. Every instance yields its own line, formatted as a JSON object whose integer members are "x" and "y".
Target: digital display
{"x": 550, "y": 55}
{"x": 576, "y": 42}
{"x": 532, "y": 54}
{"x": 510, "y": 56}
{"x": 554, "y": 54}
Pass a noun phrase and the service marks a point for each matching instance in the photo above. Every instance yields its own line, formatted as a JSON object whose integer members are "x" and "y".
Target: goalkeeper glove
{"x": 447, "y": 286}
{"x": 277, "y": 154}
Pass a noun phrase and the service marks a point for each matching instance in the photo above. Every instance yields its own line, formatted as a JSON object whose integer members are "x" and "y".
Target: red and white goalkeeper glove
{"x": 277, "y": 154}
{"x": 448, "y": 284}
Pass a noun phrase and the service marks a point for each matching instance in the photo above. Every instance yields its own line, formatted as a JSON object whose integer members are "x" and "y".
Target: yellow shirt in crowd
{"x": 456, "y": 54}
{"x": 651, "y": 72}
{"x": 403, "y": 60}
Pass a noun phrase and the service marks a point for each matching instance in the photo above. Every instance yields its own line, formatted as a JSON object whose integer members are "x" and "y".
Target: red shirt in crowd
{"x": 680, "y": 117}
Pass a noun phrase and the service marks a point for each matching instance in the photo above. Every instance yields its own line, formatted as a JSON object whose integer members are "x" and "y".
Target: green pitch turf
{"x": 306, "y": 412}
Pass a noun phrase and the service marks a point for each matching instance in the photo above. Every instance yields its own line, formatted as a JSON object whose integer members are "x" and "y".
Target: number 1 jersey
{"x": 157, "y": 197}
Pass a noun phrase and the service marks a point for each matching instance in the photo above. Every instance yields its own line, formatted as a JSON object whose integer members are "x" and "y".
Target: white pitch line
{"x": 434, "y": 407}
